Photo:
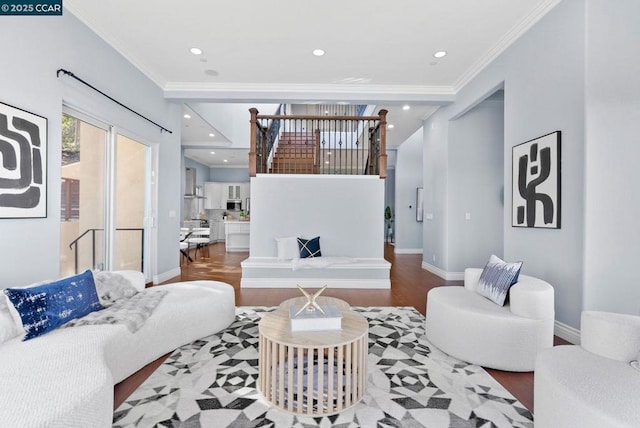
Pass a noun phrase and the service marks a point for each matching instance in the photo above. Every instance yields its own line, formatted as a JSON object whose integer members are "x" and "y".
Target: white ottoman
{"x": 592, "y": 385}
{"x": 470, "y": 327}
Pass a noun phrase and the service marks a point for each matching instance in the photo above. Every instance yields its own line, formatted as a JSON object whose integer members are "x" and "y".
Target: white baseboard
{"x": 314, "y": 283}
{"x": 165, "y": 276}
{"x": 407, "y": 250}
{"x": 566, "y": 332}
{"x": 448, "y": 276}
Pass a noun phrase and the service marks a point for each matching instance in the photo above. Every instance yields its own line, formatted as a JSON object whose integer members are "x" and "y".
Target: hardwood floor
{"x": 409, "y": 286}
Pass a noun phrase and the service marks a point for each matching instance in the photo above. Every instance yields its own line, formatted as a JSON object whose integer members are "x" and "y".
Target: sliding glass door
{"x": 130, "y": 203}
{"x": 104, "y": 197}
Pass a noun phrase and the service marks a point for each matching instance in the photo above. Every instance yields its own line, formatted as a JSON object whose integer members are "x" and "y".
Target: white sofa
{"x": 472, "y": 328}
{"x": 592, "y": 385}
{"x": 65, "y": 378}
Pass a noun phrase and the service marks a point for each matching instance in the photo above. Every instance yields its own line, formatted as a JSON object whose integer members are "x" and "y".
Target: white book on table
{"x": 315, "y": 320}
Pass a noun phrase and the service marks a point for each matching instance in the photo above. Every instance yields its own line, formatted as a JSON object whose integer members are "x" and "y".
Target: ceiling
{"x": 377, "y": 52}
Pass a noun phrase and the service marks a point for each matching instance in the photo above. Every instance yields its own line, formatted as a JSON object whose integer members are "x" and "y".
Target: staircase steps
{"x": 295, "y": 154}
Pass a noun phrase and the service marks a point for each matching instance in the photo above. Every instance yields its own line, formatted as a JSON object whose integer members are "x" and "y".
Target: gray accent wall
{"x": 408, "y": 177}
{"x": 29, "y": 248}
{"x": 475, "y": 202}
{"x": 612, "y": 244}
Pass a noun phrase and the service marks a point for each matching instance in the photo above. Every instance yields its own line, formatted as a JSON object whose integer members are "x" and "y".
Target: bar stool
{"x": 185, "y": 233}
{"x": 200, "y": 238}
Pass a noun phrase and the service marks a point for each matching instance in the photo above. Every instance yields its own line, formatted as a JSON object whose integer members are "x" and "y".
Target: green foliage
{"x": 70, "y": 140}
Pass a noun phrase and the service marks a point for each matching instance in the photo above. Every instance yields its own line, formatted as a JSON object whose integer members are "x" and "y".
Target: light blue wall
{"x": 543, "y": 77}
{"x": 202, "y": 171}
{"x": 612, "y": 246}
{"x": 229, "y": 175}
{"x": 475, "y": 186}
{"x": 35, "y": 48}
{"x": 408, "y": 177}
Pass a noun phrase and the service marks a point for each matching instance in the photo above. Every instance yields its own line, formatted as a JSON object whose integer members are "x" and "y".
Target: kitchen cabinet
{"x": 237, "y": 235}
{"x": 213, "y": 196}
{"x": 234, "y": 191}
{"x": 213, "y": 231}
{"x": 216, "y": 231}
{"x": 221, "y": 236}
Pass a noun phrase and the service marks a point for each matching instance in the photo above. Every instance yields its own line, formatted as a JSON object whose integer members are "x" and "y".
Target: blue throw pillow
{"x": 309, "y": 247}
{"x": 47, "y": 306}
{"x": 496, "y": 279}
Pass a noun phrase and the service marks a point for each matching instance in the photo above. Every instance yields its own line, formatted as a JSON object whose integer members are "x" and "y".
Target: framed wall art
{"x": 536, "y": 182}
{"x": 23, "y": 164}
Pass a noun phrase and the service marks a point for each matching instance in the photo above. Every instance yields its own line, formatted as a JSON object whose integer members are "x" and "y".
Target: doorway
{"x": 104, "y": 197}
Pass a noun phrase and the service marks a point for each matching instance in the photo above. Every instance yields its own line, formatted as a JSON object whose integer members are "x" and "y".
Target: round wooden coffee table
{"x": 314, "y": 373}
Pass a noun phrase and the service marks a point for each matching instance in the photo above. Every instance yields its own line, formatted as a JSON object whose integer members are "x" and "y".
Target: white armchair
{"x": 474, "y": 329}
{"x": 592, "y": 385}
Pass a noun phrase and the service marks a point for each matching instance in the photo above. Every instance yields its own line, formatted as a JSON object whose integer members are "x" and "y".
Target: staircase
{"x": 295, "y": 154}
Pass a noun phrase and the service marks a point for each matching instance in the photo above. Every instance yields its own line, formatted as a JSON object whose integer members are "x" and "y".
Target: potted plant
{"x": 388, "y": 220}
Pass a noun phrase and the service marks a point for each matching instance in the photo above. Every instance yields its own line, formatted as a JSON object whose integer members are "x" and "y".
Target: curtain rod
{"x": 68, "y": 73}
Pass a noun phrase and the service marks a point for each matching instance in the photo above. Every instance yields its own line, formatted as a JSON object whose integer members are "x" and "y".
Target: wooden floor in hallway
{"x": 409, "y": 286}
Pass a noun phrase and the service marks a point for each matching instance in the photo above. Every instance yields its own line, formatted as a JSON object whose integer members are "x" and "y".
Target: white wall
{"x": 543, "y": 78}
{"x": 408, "y": 177}
{"x": 38, "y": 47}
{"x": 612, "y": 245}
{"x": 347, "y": 212}
{"x": 475, "y": 186}
{"x": 232, "y": 119}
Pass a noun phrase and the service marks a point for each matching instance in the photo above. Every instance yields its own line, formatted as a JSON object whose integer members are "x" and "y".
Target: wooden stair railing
{"x": 286, "y": 144}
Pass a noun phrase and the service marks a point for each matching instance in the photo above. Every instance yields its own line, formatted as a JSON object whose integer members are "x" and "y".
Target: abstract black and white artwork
{"x": 23, "y": 163}
{"x": 536, "y": 183}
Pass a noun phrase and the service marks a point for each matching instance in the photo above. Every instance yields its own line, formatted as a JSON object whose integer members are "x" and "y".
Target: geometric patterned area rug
{"x": 410, "y": 383}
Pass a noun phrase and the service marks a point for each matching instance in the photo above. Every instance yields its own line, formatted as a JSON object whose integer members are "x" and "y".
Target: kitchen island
{"x": 236, "y": 235}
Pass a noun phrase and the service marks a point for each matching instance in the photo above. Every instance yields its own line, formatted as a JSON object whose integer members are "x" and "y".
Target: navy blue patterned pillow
{"x": 309, "y": 247}
{"x": 496, "y": 278}
{"x": 47, "y": 306}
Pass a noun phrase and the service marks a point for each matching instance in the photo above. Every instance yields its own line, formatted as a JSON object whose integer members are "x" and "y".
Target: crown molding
{"x": 307, "y": 92}
{"x": 507, "y": 40}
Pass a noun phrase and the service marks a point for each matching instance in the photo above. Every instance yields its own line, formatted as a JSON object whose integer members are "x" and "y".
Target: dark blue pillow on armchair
{"x": 45, "y": 307}
{"x": 309, "y": 247}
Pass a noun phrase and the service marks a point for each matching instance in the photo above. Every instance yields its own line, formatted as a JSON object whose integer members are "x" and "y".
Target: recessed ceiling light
{"x": 440, "y": 54}
{"x": 406, "y": 107}
{"x": 390, "y": 126}
{"x": 318, "y": 52}
{"x": 211, "y": 135}
{"x": 196, "y": 51}
{"x": 186, "y": 116}
{"x": 213, "y": 153}
{"x": 326, "y": 162}
{"x": 328, "y": 153}
{"x": 225, "y": 161}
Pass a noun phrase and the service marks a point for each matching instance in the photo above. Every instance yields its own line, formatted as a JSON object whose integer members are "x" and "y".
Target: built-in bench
{"x": 339, "y": 272}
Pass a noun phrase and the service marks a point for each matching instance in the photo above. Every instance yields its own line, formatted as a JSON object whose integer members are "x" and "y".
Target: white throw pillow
{"x": 288, "y": 248}
{"x": 8, "y": 327}
{"x": 496, "y": 278}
